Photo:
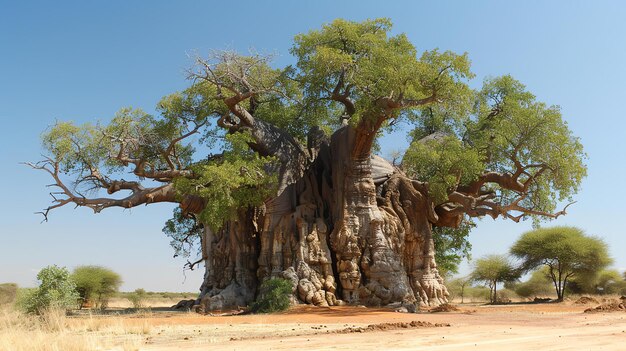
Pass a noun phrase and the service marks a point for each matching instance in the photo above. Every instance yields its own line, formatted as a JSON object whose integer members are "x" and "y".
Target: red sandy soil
{"x": 548, "y": 326}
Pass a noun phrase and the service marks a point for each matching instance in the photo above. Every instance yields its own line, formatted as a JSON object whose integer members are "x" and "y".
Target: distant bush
{"x": 8, "y": 293}
{"x": 96, "y": 284}
{"x": 477, "y": 293}
{"x": 273, "y": 296}
{"x": 539, "y": 284}
{"x": 56, "y": 291}
{"x": 505, "y": 296}
{"x": 606, "y": 281}
{"x": 609, "y": 281}
{"x": 457, "y": 288}
{"x": 138, "y": 298}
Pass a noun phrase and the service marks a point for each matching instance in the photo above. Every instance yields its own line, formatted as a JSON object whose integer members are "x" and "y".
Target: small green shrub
{"x": 273, "y": 296}
{"x": 138, "y": 298}
{"x": 56, "y": 291}
{"x": 539, "y": 284}
{"x": 8, "y": 293}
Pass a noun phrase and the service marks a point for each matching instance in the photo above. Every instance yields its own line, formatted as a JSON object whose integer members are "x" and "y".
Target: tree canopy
{"x": 565, "y": 251}
{"x": 496, "y": 151}
{"x": 96, "y": 284}
{"x": 494, "y": 269}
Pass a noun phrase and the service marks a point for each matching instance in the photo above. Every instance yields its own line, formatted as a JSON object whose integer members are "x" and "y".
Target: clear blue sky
{"x": 83, "y": 60}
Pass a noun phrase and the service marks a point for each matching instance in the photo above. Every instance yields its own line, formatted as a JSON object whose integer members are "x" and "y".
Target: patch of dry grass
{"x": 54, "y": 331}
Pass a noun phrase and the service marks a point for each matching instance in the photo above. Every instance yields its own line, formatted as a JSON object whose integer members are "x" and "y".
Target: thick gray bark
{"x": 346, "y": 228}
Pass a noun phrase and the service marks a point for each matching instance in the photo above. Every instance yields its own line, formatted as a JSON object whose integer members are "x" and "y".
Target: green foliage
{"x": 138, "y": 298}
{"x": 185, "y": 232}
{"x": 273, "y": 296}
{"x": 507, "y": 131}
{"x": 8, "y": 293}
{"x": 74, "y": 147}
{"x": 363, "y": 56}
{"x": 478, "y": 293}
{"x": 539, "y": 283}
{"x": 96, "y": 284}
{"x": 498, "y": 128}
{"x": 235, "y": 181}
{"x": 566, "y": 252}
{"x": 56, "y": 290}
{"x": 609, "y": 281}
{"x": 494, "y": 269}
{"x": 452, "y": 246}
{"x": 582, "y": 283}
{"x": 458, "y": 288}
{"x": 605, "y": 281}
{"x": 443, "y": 162}
{"x": 536, "y": 134}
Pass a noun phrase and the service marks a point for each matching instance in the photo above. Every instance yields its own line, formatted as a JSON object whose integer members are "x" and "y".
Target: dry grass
{"x": 54, "y": 331}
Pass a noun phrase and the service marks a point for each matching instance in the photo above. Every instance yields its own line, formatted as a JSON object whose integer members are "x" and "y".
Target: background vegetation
{"x": 95, "y": 285}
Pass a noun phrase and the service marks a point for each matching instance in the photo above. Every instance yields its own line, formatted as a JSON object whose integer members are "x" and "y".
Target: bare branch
{"x": 459, "y": 204}
{"x": 191, "y": 265}
{"x": 138, "y": 194}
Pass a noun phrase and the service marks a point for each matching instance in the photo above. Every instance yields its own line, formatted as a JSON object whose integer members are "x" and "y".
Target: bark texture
{"x": 347, "y": 227}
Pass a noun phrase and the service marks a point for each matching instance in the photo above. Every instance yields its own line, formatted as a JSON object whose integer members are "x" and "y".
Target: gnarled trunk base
{"x": 350, "y": 230}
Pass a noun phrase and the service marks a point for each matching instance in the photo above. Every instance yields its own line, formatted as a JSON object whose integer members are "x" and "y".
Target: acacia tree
{"x": 457, "y": 286}
{"x": 494, "y": 269}
{"x": 566, "y": 252}
{"x": 297, "y": 190}
{"x": 96, "y": 284}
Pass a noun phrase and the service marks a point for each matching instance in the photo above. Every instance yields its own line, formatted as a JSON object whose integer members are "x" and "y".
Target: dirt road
{"x": 510, "y": 327}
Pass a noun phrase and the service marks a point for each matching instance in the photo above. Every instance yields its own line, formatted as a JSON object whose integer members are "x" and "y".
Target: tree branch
{"x": 460, "y": 204}
{"x": 344, "y": 97}
{"x": 138, "y": 194}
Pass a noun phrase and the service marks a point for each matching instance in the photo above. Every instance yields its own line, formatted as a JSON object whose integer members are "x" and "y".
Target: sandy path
{"x": 510, "y": 328}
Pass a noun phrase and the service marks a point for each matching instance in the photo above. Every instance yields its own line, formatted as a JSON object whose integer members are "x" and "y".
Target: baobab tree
{"x": 296, "y": 190}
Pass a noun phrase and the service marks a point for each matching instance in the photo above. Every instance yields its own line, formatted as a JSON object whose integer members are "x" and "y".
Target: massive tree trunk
{"x": 349, "y": 227}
